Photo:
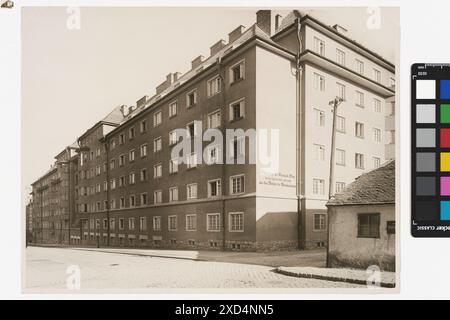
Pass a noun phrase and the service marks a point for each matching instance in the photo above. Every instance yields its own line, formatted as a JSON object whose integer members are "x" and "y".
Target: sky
{"x": 71, "y": 78}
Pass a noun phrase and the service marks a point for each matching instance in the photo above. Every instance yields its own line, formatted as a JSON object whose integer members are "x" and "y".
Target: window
{"x": 192, "y": 129}
{"x": 143, "y": 174}
{"x": 359, "y": 129}
{"x": 340, "y": 90}
{"x": 112, "y": 223}
{"x": 191, "y": 98}
{"x": 121, "y": 138}
{"x": 238, "y": 149}
{"x": 143, "y": 223}
{"x": 132, "y": 178}
{"x": 156, "y": 223}
{"x": 391, "y": 82}
{"x": 214, "y": 119}
{"x": 105, "y": 185}
{"x": 121, "y": 160}
{"x": 131, "y": 133}
{"x": 340, "y": 157}
{"x": 173, "y": 109}
{"x": 172, "y": 138}
{"x": 213, "y": 222}
{"x": 173, "y": 194}
{"x": 191, "y": 191}
{"x": 121, "y": 224}
{"x": 319, "y": 82}
{"x": 144, "y": 199}
{"x": 98, "y": 188}
{"x": 172, "y": 223}
{"x": 377, "y": 105}
{"x": 143, "y": 150}
{"x": 368, "y": 225}
{"x": 98, "y": 207}
{"x": 340, "y": 186}
{"x": 191, "y": 160}
{"x": 173, "y": 166}
{"x": 143, "y": 126}
{"x": 191, "y": 222}
{"x": 237, "y": 110}
{"x": 98, "y": 170}
{"x": 340, "y": 124}
{"x": 157, "y": 118}
{"x": 318, "y": 186}
{"x": 113, "y": 184}
{"x": 112, "y": 164}
{"x": 121, "y": 181}
{"x": 319, "y": 152}
{"x": 113, "y": 143}
{"x": 376, "y": 162}
{"x": 319, "y": 117}
{"x": 237, "y": 71}
{"x": 319, "y": 46}
{"x": 359, "y": 66}
{"x": 376, "y": 75}
{"x": 360, "y": 99}
{"x": 212, "y": 155}
{"x": 340, "y": 57}
{"x": 122, "y": 202}
{"x": 377, "y": 135}
{"x": 98, "y": 152}
{"x": 132, "y": 201}
{"x": 359, "y": 161}
{"x": 236, "y": 222}
{"x": 214, "y": 188}
{"x": 157, "y": 144}
{"x": 132, "y": 155}
{"x": 131, "y": 225}
{"x": 319, "y": 221}
{"x": 157, "y": 196}
{"x": 214, "y": 86}
{"x": 237, "y": 184}
{"x": 157, "y": 170}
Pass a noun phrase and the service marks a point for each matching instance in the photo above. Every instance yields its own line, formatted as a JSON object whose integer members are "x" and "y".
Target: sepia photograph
{"x": 208, "y": 149}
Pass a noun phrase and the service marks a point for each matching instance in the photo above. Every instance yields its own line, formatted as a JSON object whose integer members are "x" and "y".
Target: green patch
{"x": 445, "y": 113}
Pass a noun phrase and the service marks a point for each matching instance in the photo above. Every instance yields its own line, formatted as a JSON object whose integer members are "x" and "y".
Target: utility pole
{"x": 334, "y": 103}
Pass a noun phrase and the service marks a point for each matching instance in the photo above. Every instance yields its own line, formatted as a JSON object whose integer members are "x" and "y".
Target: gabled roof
{"x": 374, "y": 187}
{"x": 114, "y": 118}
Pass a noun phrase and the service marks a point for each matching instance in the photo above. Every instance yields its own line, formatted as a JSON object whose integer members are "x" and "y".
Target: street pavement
{"x": 46, "y": 269}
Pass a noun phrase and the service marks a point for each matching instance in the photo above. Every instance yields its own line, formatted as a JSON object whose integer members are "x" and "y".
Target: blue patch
{"x": 445, "y": 89}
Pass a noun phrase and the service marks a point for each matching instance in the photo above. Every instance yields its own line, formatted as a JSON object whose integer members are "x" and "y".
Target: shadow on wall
{"x": 385, "y": 262}
{"x": 277, "y": 231}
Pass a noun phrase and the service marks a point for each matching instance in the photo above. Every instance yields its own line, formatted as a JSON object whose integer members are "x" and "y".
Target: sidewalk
{"x": 356, "y": 276}
{"x": 315, "y": 258}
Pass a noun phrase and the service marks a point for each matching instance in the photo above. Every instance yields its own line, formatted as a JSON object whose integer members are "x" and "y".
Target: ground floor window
{"x": 368, "y": 225}
{"x": 320, "y": 221}
{"x": 236, "y": 221}
{"x": 156, "y": 223}
{"x": 172, "y": 223}
{"x": 191, "y": 222}
{"x": 213, "y": 222}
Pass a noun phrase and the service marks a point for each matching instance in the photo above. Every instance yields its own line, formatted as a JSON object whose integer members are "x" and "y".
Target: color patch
{"x": 445, "y": 210}
{"x": 426, "y": 113}
{"x": 445, "y": 89}
{"x": 426, "y": 210}
{"x": 425, "y": 138}
{"x": 426, "y": 162}
{"x": 426, "y": 89}
{"x": 445, "y": 138}
{"x": 445, "y": 161}
{"x": 445, "y": 113}
{"x": 445, "y": 186}
{"x": 425, "y": 186}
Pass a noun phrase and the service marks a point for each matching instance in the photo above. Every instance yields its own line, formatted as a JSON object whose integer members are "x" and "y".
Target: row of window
{"x": 319, "y": 48}
{"x": 213, "y": 223}
{"x": 214, "y": 189}
{"x": 340, "y": 155}
{"x": 319, "y": 84}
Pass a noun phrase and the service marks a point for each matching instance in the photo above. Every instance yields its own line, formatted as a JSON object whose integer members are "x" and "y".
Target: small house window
{"x": 368, "y": 225}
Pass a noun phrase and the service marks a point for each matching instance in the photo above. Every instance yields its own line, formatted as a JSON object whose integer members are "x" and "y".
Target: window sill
{"x": 236, "y": 81}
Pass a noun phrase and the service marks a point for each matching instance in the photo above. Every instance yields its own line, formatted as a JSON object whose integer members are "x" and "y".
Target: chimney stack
{"x": 170, "y": 78}
{"x": 196, "y": 62}
{"x": 141, "y": 101}
{"x": 235, "y": 34}
{"x": 264, "y": 21}
{"x": 217, "y": 47}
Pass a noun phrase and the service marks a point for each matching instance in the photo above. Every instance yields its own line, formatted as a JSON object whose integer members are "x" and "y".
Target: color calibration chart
{"x": 430, "y": 139}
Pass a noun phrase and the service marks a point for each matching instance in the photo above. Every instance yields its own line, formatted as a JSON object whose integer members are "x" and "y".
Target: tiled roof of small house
{"x": 374, "y": 187}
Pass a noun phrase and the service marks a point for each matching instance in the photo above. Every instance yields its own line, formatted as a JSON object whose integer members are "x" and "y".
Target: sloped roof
{"x": 374, "y": 187}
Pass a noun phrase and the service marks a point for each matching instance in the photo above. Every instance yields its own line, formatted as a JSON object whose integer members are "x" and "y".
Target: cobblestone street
{"x": 46, "y": 270}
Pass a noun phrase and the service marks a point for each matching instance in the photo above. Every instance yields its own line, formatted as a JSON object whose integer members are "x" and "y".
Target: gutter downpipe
{"x": 299, "y": 119}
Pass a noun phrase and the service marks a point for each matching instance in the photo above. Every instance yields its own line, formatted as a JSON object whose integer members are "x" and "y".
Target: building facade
{"x": 275, "y": 78}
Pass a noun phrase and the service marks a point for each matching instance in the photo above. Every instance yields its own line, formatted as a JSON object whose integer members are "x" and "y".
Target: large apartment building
{"x": 278, "y": 75}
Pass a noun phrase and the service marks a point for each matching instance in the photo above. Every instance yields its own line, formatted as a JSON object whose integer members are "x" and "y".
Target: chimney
{"x": 123, "y": 110}
{"x": 196, "y": 62}
{"x": 217, "y": 47}
{"x": 130, "y": 109}
{"x": 141, "y": 101}
{"x": 169, "y": 80}
{"x": 235, "y": 34}
{"x": 277, "y": 22}
{"x": 264, "y": 20}
{"x": 176, "y": 76}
